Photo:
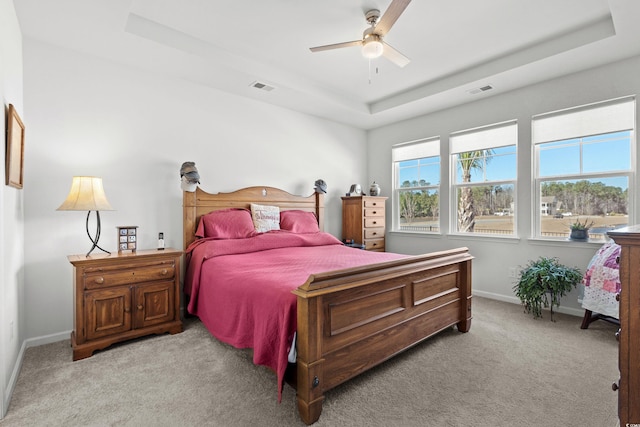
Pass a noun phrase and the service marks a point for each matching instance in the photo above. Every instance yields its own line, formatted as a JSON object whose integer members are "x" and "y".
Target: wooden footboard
{"x": 352, "y": 320}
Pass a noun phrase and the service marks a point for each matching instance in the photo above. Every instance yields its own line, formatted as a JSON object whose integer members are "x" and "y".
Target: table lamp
{"x": 87, "y": 194}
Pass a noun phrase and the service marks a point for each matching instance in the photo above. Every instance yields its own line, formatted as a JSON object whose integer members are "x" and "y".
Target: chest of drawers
{"x": 363, "y": 221}
{"x": 628, "y": 386}
{"x": 123, "y": 296}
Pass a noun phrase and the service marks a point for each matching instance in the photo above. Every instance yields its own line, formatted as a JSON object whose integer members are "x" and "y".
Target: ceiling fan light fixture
{"x": 372, "y": 47}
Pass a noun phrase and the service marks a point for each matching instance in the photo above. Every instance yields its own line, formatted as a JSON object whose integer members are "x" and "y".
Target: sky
{"x": 594, "y": 154}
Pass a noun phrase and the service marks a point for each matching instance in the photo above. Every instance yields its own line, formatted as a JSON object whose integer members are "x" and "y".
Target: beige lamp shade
{"x": 86, "y": 194}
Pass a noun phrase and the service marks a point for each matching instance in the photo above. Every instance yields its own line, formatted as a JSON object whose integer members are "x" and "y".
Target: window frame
{"x": 476, "y": 139}
{"x": 588, "y": 130}
{"x": 423, "y": 148}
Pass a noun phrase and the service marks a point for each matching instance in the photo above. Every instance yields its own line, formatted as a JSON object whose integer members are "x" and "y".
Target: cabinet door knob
{"x": 618, "y": 296}
{"x": 618, "y": 335}
{"x": 615, "y": 386}
{"x": 127, "y": 310}
{"x": 139, "y": 306}
{"x": 99, "y": 280}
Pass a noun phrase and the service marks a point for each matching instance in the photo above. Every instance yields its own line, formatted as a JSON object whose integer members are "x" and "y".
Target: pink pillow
{"x": 226, "y": 224}
{"x": 299, "y": 221}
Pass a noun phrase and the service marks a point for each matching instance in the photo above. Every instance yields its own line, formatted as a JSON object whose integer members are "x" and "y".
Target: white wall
{"x": 494, "y": 256}
{"x": 12, "y": 303}
{"x": 88, "y": 116}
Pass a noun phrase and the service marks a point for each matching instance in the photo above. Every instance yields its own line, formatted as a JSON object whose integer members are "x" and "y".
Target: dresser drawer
{"x": 374, "y": 222}
{"x": 368, "y": 203}
{"x": 374, "y": 244}
{"x": 102, "y": 279}
{"x": 374, "y": 233}
{"x": 374, "y": 212}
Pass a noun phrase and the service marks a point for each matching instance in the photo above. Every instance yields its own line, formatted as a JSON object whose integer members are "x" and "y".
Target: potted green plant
{"x": 543, "y": 282}
{"x": 580, "y": 230}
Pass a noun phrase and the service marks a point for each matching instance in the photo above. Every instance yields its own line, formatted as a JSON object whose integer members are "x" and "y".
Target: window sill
{"x": 564, "y": 242}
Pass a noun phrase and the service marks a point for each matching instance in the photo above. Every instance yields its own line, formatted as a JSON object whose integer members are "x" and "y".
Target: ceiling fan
{"x": 372, "y": 41}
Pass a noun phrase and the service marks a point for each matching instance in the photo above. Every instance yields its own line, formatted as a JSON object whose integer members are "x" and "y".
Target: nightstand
{"x": 123, "y": 296}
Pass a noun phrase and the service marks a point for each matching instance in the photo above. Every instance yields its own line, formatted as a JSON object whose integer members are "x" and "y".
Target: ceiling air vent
{"x": 262, "y": 86}
{"x": 480, "y": 89}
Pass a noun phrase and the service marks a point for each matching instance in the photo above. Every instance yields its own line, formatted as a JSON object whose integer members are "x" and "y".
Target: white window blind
{"x": 595, "y": 119}
{"x": 485, "y": 138}
{"x": 416, "y": 149}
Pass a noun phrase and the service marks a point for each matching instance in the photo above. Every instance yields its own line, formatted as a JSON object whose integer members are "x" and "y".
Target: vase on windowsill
{"x": 580, "y": 230}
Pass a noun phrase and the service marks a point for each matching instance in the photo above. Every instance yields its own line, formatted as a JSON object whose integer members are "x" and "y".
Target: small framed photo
{"x": 127, "y": 238}
{"x": 14, "y": 162}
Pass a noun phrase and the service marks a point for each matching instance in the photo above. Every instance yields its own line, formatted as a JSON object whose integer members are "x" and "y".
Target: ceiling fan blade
{"x": 336, "y": 46}
{"x": 394, "y": 56}
{"x": 390, "y": 16}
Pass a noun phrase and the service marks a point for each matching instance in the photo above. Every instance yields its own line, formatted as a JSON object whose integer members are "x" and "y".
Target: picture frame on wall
{"x": 14, "y": 158}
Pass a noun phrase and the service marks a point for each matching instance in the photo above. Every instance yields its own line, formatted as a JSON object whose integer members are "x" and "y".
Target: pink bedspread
{"x": 241, "y": 289}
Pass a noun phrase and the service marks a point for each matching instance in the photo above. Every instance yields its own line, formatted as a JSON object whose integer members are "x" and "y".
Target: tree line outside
{"x": 587, "y": 198}
{"x": 419, "y": 204}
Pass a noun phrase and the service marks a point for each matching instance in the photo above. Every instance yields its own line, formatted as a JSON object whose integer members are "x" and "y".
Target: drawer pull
{"x": 99, "y": 280}
{"x": 164, "y": 272}
{"x": 375, "y": 212}
{"x": 375, "y": 204}
{"x": 375, "y": 222}
{"x": 127, "y": 310}
{"x": 139, "y": 306}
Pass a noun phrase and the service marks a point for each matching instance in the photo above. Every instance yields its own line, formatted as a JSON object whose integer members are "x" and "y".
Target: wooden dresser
{"x": 628, "y": 386}
{"x": 363, "y": 221}
{"x": 123, "y": 296}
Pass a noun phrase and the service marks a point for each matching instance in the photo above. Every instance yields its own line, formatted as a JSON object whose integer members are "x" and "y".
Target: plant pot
{"x": 579, "y": 235}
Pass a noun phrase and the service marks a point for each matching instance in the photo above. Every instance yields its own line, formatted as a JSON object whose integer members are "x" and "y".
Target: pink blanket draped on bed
{"x": 241, "y": 288}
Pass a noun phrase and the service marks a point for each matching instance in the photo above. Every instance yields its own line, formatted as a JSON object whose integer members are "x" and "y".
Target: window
{"x": 416, "y": 171}
{"x": 483, "y": 164}
{"x": 583, "y": 168}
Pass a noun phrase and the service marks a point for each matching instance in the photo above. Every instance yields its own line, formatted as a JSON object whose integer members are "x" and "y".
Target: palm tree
{"x": 468, "y": 161}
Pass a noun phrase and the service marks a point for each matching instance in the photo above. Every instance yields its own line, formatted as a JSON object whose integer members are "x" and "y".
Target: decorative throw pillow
{"x": 299, "y": 221}
{"x": 226, "y": 224}
{"x": 265, "y": 218}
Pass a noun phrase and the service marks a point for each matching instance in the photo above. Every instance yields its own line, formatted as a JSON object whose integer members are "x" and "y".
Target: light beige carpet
{"x": 509, "y": 370}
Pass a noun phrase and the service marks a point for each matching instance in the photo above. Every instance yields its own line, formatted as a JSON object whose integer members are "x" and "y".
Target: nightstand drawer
{"x": 374, "y": 222}
{"x": 134, "y": 275}
{"x": 374, "y": 212}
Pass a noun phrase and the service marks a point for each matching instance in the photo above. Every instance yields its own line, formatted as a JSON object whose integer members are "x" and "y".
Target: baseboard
{"x": 48, "y": 339}
{"x": 15, "y": 372}
{"x": 515, "y": 300}
{"x": 31, "y": 342}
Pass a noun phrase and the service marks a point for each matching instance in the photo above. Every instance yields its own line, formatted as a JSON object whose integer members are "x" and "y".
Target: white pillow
{"x": 265, "y": 218}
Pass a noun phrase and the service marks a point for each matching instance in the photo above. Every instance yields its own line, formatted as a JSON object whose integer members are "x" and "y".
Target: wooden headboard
{"x": 199, "y": 202}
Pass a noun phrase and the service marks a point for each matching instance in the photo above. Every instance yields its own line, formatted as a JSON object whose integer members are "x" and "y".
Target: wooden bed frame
{"x": 351, "y": 320}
